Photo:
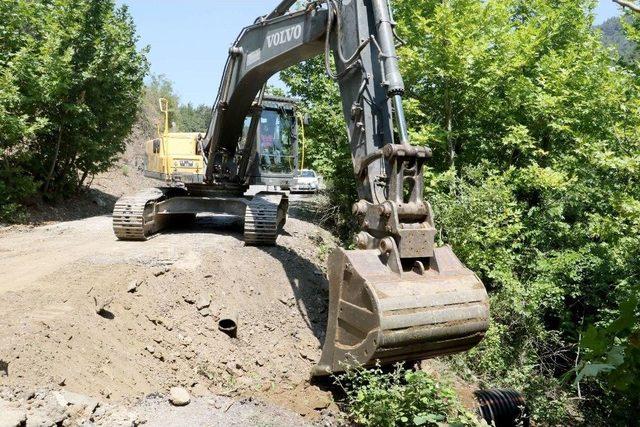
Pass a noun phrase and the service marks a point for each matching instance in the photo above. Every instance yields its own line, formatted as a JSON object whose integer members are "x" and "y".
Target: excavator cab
{"x": 276, "y": 143}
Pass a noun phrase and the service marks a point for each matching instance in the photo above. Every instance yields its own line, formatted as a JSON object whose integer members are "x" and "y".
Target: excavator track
{"x": 264, "y": 217}
{"x": 133, "y": 215}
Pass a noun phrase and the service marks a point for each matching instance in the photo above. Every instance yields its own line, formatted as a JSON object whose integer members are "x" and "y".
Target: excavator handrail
{"x": 301, "y": 121}
{"x": 164, "y": 108}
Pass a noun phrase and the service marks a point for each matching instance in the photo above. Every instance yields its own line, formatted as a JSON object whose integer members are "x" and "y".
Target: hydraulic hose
{"x": 386, "y": 49}
{"x": 334, "y": 9}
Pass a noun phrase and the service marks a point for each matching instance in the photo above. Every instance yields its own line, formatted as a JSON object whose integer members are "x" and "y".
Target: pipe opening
{"x": 229, "y": 327}
{"x": 503, "y": 407}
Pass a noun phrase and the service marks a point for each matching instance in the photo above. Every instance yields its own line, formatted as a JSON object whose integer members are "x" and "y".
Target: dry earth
{"x": 158, "y": 329}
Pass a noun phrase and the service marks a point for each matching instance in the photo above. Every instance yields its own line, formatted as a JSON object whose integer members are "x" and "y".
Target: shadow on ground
{"x": 310, "y": 288}
{"x": 84, "y": 204}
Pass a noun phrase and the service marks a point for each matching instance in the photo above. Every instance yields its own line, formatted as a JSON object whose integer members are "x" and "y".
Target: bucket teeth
{"x": 376, "y": 314}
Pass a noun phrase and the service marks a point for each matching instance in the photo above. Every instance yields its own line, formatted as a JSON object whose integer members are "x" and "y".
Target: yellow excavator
{"x": 396, "y": 296}
{"x": 177, "y": 157}
{"x": 173, "y": 156}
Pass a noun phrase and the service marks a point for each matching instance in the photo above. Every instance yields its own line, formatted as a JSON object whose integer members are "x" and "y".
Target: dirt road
{"x": 162, "y": 300}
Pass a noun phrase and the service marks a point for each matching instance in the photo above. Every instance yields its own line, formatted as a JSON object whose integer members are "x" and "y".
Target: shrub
{"x": 80, "y": 78}
{"x": 534, "y": 182}
{"x": 401, "y": 397}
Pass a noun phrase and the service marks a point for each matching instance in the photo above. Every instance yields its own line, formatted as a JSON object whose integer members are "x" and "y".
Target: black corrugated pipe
{"x": 503, "y": 407}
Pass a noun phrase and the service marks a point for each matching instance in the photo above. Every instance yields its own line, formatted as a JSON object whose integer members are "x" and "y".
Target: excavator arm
{"x": 396, "y": 297}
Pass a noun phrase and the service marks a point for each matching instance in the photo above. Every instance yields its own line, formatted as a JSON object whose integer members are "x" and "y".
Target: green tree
{"x": 193, "y": 119}
{"x": 275, "y": 90}
{"x": 613, "y": 35}
{"x": 152, "y": 119}
{"x": 70, "y": 84}
{"x": 521, "y": 98}
{"x": 327, "y": 150}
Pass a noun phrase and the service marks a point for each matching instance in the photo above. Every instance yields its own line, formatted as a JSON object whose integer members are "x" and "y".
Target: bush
{"x": 15, "y": 188}
{"x": 327, "y": 149}
{"x": 80, "y": 78}
{"x": 401, "y": 397}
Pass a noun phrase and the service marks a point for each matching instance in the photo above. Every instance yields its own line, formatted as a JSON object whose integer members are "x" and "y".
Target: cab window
{"x": 274, "y": 135}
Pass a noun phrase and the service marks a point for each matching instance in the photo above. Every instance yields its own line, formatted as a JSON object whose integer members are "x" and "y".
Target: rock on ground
{"x": 48, "y": 407}
{"x": 11, "y": 417}
{"x": 203, "y": 301}
{"x": 219, "y": 411}
{"x": 179, "y": 396}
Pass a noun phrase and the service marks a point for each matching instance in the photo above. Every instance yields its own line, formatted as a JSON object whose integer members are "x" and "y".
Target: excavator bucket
{"x": 378, "y": 314}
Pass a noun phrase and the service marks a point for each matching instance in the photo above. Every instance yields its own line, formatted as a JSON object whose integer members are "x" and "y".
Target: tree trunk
{"x": 55, "y": 160}
{"x": 82, "y": 178}
{"x": 69, "y": 163}
{"x": 448, "y": 113}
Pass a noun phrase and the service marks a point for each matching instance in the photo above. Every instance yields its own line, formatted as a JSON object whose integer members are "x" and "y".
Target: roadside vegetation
{"x": 72, "y": 89}
{"x": 70, "y": 85}
{"x": 535, "y": 182}
{"x": 401, "y": 397}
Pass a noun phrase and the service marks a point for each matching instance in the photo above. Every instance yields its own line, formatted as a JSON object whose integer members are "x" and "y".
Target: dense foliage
{"x": 535, "y": 183}
{"x": 326, "y": 147}
{"x": 193, "y": 118}
{"x": 70, "y": 83}
{"x": 401, "y": 397}
{"x": 613, "y": 35}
